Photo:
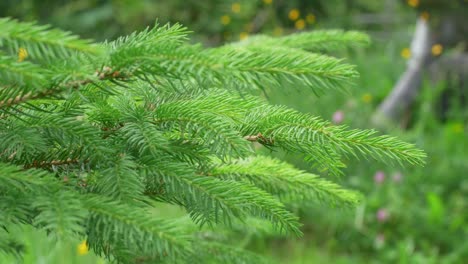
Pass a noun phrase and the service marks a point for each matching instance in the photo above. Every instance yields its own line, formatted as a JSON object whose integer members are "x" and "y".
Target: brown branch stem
{"x": 106, "y": 74}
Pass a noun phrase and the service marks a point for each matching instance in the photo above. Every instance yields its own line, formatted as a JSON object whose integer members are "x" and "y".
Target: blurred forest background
{"x": 412, "y": 85}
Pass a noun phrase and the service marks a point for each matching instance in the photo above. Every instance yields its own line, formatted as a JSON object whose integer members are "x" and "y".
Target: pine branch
{"x": 60, "y": 212}
{"x": 211, "y": 200}
{"x": 12, "y": 177}
{"x": 111, "y": 224}
{"x": 216, "y": 132}
{"x": 62, "y": 82}
{"x": 24, "y": 74}
{"x": 47, "y": 164}
{"x": 19, "y": 142}
{"x": 149, "y": 117}
{"x": 176, "y": 34}
{"x": 54, "y": 209}
{"x": 15, "y": 211}
{"x": 22, "y": 98}
{"x": 120, "y": 180}
{"x": 145, "y": 138}
{"x": 83, "y": 140}
{"x": 42, "y": 42}
{"x": 278, "y": 65}
{"x": 254, "y": 67}
{"x": 291, "y": 130}
{"x": 288, "y": 183}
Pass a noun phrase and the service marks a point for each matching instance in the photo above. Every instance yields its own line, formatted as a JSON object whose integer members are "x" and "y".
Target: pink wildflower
{"x": 338, "y": 117}
{"x": 379, "y": 177}
{"x": 382, "y": 215}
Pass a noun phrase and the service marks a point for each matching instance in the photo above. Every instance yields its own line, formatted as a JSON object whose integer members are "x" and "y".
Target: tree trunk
{"x": 409, "y": 83}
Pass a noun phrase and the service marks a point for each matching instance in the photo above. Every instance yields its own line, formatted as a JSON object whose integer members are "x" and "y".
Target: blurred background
{"x": 413, "y": 85}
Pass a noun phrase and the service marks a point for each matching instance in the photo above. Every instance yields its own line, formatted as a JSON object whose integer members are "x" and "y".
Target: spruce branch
{"x": 210, "y": 200}
{"x": 19, "y": 99}
{"x": 94, "y": 134}
{"x": 232, "y": 64}
{"x": 290, "y": 184}
{"x": 120, "y": 180}
{"x": 60, "y": 212}
{"x": 46, "y": 164}
{"x": 110, "y": 223}
{"x": 23, "y": 73}
{"x": 216, "y": 132}
{"x": 291, "y": 129}
{"x": 54, "y": 89}
{"x": 41, "y": 41}
{"x": 13, "y": 177}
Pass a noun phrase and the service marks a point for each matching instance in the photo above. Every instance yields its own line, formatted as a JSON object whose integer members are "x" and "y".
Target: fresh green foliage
{"x": 94, "y": 134}
{"x": 412, "y": 215}
{"x": 288, "y": 183}
{"x": 42, "y": 42}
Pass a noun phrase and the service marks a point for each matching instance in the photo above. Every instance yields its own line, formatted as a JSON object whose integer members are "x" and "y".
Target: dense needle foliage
{"x": 94, "y": 134}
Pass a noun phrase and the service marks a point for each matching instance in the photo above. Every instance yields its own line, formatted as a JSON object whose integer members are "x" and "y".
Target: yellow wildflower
{"x": 413, "y": 3}
{"x": 267, "y": 2}
{"x": 22, "y": 54}
{"x": 425, "y": 15}
{"x": 278, "y": 31}
{"x": 243, "y": 35}
{"x": 293, "y": 14}
{"x": 406, "y": 53}
{"x": 310, "y": 18}
{"x": 236, "y": 7}
{"x": 225, "y": 20}
{"x": 83, "y": 248}
{"x": 300, "y": 24}
{"x": 367, "y": 98}
{"x": 437, "y": 49}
